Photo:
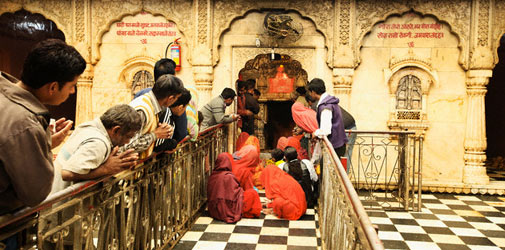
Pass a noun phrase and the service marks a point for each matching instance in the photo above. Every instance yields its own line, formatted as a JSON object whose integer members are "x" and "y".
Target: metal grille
{"x": 408, "y": 115}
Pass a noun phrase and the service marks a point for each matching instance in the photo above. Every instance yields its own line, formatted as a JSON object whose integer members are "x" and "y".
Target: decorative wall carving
{"x": 177, "y": 11}
{"x": 79, "y": 20}
{"x": 498, "y": 27}
{"x": 456, "y": 13}
{"x": 344, "y": 20}
{"x": 51, "y": 9}
{"x": 202, "y": 21}
{"x": 225, "y": 11}
{"x": 483, "y": 27}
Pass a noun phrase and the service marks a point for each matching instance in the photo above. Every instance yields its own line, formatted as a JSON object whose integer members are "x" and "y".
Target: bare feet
{"x": 268, "y": 211}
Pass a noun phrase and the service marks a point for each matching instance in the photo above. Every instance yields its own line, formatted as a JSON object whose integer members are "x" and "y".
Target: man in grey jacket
{"x": 213, "y": 112}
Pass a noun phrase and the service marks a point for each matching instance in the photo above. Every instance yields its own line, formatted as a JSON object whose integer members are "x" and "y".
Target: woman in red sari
{"x": 288, "y": 198}
{"x": 224, "y": 195}
{"x": 252, "y": 205}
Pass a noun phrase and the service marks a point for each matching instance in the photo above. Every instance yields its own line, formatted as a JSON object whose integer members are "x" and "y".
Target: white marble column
{"x": 84, "y": 104}
{"x": 475, "y": 137}
{"x": 342, "y": 83}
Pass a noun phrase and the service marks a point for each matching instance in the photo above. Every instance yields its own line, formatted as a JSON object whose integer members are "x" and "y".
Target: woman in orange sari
{"x": 282, "y": 143}
{"x": 253, "y": 140}
{"x": 242, "y": 138}
{"x": 288, "y": 198}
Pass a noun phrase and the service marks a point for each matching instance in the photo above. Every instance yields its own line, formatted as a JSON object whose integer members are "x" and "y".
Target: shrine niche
{"x": 276, "y": 79}
{"x": 409, "y": 79}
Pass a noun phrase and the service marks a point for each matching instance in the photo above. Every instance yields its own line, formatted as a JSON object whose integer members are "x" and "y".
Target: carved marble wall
{"x": 219, "y": 37}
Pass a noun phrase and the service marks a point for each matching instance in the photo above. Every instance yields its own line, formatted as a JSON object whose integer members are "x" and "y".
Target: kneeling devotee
{"x": 225, "y": 197}
{"x": 286, "y": 195}
{"x": 92, "y": 149}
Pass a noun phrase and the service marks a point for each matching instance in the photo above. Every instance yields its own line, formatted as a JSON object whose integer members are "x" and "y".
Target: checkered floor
{"x": 446, "y": 221}
{"x": 267, "y": 232}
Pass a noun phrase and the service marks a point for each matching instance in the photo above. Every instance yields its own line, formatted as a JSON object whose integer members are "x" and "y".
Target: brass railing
{"x": 150, "y": 207}
{"x": 344, "y": 223}
{"x": 385, "y": 168}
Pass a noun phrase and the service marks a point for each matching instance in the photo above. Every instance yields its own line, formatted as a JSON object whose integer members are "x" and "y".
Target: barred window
{"x": 141, "y": 80}
{"x": 409, "y": 95}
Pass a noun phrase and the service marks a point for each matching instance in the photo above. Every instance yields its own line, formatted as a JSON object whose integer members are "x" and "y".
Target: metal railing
{"x": 385, "y": 168}
{"x": 344, "y": 223}
{"x": 149, "y": 207}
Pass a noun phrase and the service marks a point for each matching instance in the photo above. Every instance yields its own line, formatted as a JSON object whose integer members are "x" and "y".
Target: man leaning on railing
{"x": 92, "y": 149}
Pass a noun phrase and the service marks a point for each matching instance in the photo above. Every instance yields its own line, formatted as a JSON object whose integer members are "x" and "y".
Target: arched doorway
{"x": 19, "y": 32}
{"x": 276, "y": 78}
{"x": 495, "y": 120}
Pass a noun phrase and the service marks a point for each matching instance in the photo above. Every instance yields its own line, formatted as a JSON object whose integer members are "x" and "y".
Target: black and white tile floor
{"x": 266, "y": 232}
{"x": 446, "y": 221}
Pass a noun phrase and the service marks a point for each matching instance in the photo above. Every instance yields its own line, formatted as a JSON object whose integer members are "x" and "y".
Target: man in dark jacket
{"x": 329, "y": 116}
{"x": 252, "y": 105}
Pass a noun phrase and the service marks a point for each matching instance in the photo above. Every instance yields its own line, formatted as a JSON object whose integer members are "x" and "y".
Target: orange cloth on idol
{"x": 252, "y": 204}
{"x": 304, "y": 117}
{"x": 282, "y": 143}
{"x": 288, "y": 196}
{"x": 242, "y": 138}
{"x": 243, "y": 168}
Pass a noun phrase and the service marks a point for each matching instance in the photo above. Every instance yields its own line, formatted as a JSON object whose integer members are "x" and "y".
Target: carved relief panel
{"x": 141, "y": 80}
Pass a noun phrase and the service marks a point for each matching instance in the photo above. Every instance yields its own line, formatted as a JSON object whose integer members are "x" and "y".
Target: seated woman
{"x": 282, "y": 142}
{"x": 245, "y": 162}
{"x": 242, "y": 138}
{"x": 224, "y": 195}
{"x": 254, "y": 141}
{"x": 287, "y": 196}
{"x": 301, "y": 173}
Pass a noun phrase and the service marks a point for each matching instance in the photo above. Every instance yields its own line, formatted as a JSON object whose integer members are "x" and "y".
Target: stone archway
{"x": 495, "y": 121}
{"x": 276, "y": 79}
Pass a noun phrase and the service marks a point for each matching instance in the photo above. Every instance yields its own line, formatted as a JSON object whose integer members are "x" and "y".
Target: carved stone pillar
{"x": 84, "y": 108}
{"x": 342, "y": 83}
{"x": 475, "y": 136}
{"x": 203, "y": 76}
